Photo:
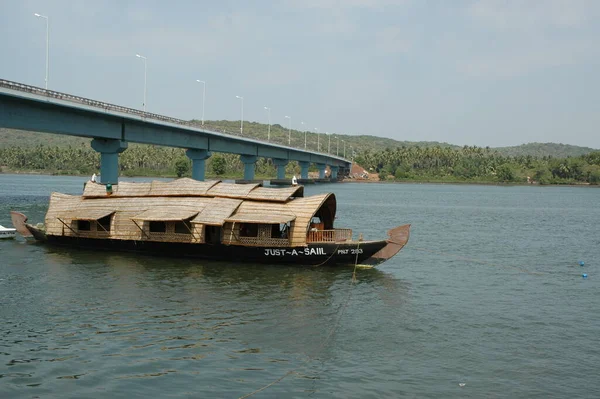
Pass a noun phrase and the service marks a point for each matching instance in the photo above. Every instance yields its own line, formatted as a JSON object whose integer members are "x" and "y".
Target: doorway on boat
{"x": 212, "y": 234}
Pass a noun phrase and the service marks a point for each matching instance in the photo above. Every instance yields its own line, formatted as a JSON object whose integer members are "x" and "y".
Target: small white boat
{"x": 6, "y": 232}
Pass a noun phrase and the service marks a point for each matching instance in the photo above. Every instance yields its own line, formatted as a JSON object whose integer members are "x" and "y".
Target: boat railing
{"x": 335, "y": 235}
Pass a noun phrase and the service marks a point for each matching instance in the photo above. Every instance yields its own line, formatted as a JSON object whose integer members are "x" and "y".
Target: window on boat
{"x": 84, "y": 225}
{"x": 104, "y": 223}
{"x": 284, "y": 230}
{"x": 316, "y": 223}
{"x": 158, "y": 227}
{"x": 280, "y": 230}
{"x": 183, "y": 227}
{"x": 248, "y": 230}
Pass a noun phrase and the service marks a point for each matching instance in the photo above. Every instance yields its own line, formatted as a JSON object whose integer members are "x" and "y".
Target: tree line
{"x": 434, "y": 164}
{"x": 477, "y": 164}
{"x": 136, "y": 160}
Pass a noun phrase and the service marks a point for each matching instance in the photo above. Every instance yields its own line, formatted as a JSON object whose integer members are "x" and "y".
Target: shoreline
{"x": 461, "y": 183}
{"x": 361, "y": 181}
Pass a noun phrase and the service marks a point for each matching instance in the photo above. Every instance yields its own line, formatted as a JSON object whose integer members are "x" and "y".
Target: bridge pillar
{"x": 249, "y": 162}
{"x": 109, "y": 150}
{"x": 198, "y": 158}
{"x": 334, "y": 172}
{"x": 281, "y": 164}
{"x": 321, "y": 167}
{"x": 304, "y": 169}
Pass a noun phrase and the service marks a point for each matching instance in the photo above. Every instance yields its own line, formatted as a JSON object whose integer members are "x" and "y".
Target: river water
{"x": 486, "y": 300}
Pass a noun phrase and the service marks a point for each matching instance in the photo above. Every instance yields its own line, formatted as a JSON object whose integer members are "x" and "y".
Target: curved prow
{"x": 398, "y": 237}
{"x": 19, "y": 222}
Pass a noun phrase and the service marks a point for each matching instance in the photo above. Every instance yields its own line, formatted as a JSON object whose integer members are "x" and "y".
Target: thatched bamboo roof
{"x": 166, "y": 214}
{"x": 205, "y": 203}
{"x": 86, "y": 214}
{"x": 179, "y": 187}
{"x": 266, "y": 218}
{"x": 217, "y": 211}
{"x": 232, "y": 190}
{"x": 275, "y": 194}
{"x": 192, "y": 188}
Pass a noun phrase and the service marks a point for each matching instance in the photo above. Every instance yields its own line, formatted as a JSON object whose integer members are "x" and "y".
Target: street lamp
{"x": 203, "y": 97}
{"x": 344, "y": 144}
{"x": 242, "y": 121}
{"x": 328, "y": 145}
{"x": 47, "y": 42}
{"x": 337, "y": 148}
{"x": 318, "y": 142}
{"x": 269, "y": 131}
{"x": 302, "y": 123}
{"x": 289, "y": 130}
{"x": 144, "y": 58}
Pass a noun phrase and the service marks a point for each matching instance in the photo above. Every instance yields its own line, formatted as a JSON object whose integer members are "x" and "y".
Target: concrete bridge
{"x": 112, "y": 127}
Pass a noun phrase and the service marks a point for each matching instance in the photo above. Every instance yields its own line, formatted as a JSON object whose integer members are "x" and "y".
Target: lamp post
{"x": 329, "y": 144}
{"x": 344, "y": 144}
{"x": 47, "y": 43}
{"x": 203, "y": 97}
{"x": 289, "y": 130}
{"x": 337, "y": 148}
{"x": 144, "y": 58}
{"x": 318, "y": 142}
{"x": 269, "y": 131}
{"x": 242, "y": 121}
{"x": 302, "y": 123}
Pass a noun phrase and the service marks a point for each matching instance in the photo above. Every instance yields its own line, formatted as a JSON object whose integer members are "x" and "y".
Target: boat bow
{"x": 398, "y": 237}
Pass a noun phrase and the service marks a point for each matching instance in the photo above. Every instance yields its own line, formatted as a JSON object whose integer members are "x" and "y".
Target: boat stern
{"x": 398, "y": 237}
{"x": 27, "y": 230}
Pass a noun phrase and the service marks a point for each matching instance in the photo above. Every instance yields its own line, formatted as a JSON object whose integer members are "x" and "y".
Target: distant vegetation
{"x": 394, "y": 160}
{"x": 479, "y": 165}
{"x": 544, "y": 149}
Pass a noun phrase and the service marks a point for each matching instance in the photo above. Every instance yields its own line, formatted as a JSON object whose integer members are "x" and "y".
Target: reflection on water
{"x": 122, "y": 317}
{"x": 249, "y": 280}
{"x": 100, "y": 324}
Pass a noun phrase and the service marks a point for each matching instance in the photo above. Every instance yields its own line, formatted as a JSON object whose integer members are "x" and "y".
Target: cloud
{"x": 392, "y": 40}
{"x": 522, "y": 60}
{"x": 516, "y": 37}
{"x": 528, "y": 15}
{"x": 345, "y": 4}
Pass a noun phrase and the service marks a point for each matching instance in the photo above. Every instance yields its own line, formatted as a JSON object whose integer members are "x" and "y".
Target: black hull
{"x": 315, "y": 254}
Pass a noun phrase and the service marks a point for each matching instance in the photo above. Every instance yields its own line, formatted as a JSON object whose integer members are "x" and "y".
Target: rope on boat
{"x": 483, "y": 262}
{"x": 333, "y": 329}
{"x": 355, "y": 262}
{"x": 330, "y": 256}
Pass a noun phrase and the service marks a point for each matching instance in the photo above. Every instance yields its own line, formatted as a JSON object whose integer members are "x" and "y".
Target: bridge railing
{"x": 118, "y": 108}
{"x": 106, "y": 106}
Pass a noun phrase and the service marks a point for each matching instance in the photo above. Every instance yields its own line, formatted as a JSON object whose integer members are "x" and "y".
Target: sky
{"x": 466, "y": 72}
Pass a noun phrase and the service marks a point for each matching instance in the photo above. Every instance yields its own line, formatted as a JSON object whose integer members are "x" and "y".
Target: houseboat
{"x": 211, "y": 220}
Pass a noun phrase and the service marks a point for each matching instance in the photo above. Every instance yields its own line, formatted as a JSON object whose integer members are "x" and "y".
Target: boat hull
{"x": 314, "y": 254}
{"x": 7, "y": 234}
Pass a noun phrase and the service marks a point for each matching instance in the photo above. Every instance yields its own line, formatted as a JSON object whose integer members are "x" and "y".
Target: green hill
{"x": 539, "y": 150}
{"x": 280, "y": 135}
{"x": 19, "y": 138}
